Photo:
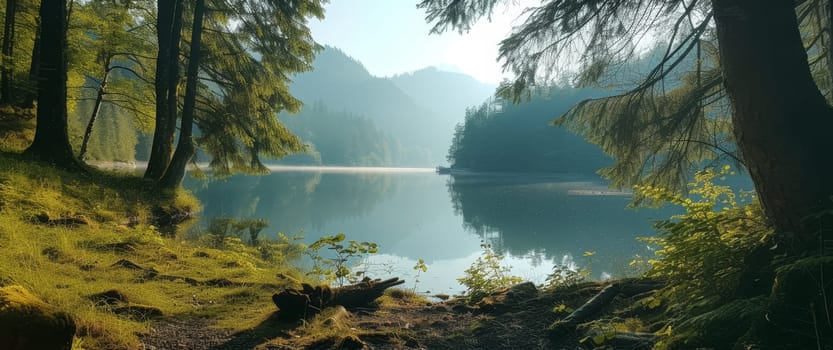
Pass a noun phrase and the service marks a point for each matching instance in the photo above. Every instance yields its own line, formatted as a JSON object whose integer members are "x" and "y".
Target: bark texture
{"x": 51, "y": 141}
{"x": 169, "y": 29}
{"x": 88, "y": 132}
{"x": 185, "y": 147}
{"x": 7, "y": 78}
{"x": 781, "y": 120}
{"x": 28, "y": 100}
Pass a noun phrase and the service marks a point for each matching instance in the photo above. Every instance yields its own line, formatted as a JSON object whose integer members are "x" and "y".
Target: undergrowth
{"x": 487, "y": 274}
{"x": 701, "y": 256}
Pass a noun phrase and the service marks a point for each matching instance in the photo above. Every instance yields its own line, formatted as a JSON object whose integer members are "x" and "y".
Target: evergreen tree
{"x": 248, "y": 52}
{"x": 245, "y": 78}
{"x": 185, "y": 146}
{"x": 750, "y": 52}
{"x": 167, "y": 79}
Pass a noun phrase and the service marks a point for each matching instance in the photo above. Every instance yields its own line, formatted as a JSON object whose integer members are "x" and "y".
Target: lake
{"x": 535, "y": 220}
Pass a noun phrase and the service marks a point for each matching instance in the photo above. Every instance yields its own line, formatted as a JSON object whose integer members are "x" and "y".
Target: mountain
{"x": 443, "y": 91}
{"x": 446, "y": 95}
{"x": 419, "y": 110}
{"x": 340, "y": 138}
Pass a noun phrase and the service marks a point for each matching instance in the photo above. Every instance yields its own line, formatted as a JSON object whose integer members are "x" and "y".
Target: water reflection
{"x": 553, "y": 215}
{"x": 295, "y": 201}
{"x": 538, "y": 220}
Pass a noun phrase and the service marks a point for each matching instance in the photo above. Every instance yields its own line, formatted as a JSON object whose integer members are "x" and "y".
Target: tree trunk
{"x": 169, "y": 28}
{"x": 782, "y": 122}
{"x": 96, "y": 109}
{"x": 7, "y": 78}
{"x": 51, "y": 141}
{"x": 827, "y": 6}
{"x": 28, "y": 101}
{"x": 185, "y": 147}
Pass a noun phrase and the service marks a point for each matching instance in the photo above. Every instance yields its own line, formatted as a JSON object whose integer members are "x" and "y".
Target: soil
{"x": 516, "y": 318}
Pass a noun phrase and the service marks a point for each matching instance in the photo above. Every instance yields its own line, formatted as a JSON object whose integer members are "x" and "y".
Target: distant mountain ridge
{"x": 419, "y": 109}
{"x": 432, "y": 85}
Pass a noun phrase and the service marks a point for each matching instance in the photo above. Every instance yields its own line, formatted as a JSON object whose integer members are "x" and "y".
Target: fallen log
{"x": 294, "y": 304}
{"x": 598, "y": 302}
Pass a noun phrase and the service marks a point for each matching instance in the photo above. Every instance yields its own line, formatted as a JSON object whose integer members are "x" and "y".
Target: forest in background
{"x": 410, "y": 127}
{"x": 739, "y": 270}
{"x": 501, "y": 136}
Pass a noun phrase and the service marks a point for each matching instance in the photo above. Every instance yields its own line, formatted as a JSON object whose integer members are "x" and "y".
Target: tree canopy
{"x": 123, "y": 65}
{"x": 680, "y": 113}
{"x": 757, "y": 91}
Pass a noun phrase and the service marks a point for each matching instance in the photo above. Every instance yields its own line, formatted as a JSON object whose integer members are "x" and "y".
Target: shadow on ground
{"x": 271, "y": 328}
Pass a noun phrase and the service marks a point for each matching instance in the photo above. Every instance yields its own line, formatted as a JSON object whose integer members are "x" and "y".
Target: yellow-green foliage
{"x": 17, "y": 128}
{"x": 701, "y": 252}
{"x": 395, "y": 296}
{"x": 486, "y": 275}
{"x": 64, "y": 266}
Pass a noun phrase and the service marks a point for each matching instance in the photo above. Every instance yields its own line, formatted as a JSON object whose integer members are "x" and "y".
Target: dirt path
{"x": 513, "y": 319}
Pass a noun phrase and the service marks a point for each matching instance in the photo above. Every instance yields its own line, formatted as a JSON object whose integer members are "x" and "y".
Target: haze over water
{"x": 413, "y": 213}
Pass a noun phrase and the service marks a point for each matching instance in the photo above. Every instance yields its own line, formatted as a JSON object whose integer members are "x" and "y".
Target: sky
{"x": 391, "y": 37}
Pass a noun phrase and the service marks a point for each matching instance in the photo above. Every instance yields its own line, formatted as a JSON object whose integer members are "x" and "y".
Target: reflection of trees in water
{"x": 521, "y": 215}
{"x": 292, "y": 201}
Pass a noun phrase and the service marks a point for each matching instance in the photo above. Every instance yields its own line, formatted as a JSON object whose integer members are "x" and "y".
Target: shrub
{"x": 487, "y": 274}
{"x": 701, "y": 252}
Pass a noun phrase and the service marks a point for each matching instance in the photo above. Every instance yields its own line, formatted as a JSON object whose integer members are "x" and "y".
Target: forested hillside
{"x": 669, "y": 98}
{"x": 340, "y": 138}
{"x": 416, "y": 110}
{"x": 502, "y": 136}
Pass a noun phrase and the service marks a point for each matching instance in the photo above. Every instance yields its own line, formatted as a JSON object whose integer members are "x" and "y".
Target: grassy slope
{"x": 65, "y": 265}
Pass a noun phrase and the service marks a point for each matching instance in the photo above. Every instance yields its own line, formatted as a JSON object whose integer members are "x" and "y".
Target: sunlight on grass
{"x": 66, "y": 265}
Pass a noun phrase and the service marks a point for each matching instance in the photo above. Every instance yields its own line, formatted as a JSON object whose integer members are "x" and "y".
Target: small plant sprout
{"x": 487, "y": 274}
{"x": 419, "y": 267}
{"x": 337, "y": 268}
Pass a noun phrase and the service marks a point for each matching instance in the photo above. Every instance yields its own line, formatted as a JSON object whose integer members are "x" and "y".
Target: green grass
{"x": 17, "y": 128}
{"x": 64, "y": 265}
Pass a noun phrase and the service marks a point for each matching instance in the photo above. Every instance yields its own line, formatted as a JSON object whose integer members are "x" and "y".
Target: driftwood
{"x": 300, "y": 303}
{"x": 598, "y": 302}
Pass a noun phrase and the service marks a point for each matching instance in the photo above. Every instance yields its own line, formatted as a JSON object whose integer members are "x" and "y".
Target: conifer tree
{"x": 168, "y": 33}
{"x": 243, "y": 80}
{"x": 185, "y": 149}
{"x": 748, "y": 53}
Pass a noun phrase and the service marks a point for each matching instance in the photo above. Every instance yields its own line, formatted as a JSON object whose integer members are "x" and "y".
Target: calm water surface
{"x": 413, "y": 213}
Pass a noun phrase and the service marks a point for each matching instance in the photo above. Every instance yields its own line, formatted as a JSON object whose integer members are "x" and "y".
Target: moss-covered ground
{"x": 128, "y": 286}
{"x": 65, "y": 265}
